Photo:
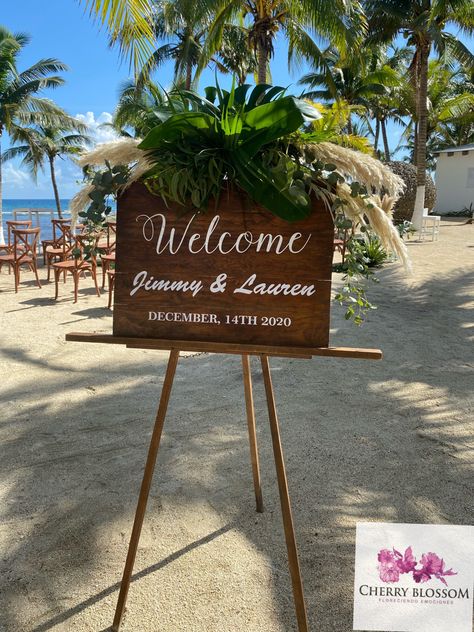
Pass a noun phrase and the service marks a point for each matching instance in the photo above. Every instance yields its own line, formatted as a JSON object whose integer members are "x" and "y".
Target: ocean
{"x": 9, "y": 206}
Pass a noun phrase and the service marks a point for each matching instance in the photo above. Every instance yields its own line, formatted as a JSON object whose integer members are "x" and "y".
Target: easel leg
{"x": 285, "y": 501}
{"x": 252, "y": 432}
{"x": 145, "y": 488}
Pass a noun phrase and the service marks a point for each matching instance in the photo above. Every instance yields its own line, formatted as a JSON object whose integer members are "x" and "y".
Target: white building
{"x": 455, "y": 178}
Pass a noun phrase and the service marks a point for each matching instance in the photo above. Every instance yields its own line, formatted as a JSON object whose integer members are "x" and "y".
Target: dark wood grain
{"x": 309, "y": 315}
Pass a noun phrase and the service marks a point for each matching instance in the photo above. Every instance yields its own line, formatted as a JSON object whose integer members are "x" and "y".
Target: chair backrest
{"x": 81, "y": 243}
{"x": 14, "y": 224}
{"x": 62, "y": 234}
{"x": 111, "y": 233}
{"x": 25, "y": 243}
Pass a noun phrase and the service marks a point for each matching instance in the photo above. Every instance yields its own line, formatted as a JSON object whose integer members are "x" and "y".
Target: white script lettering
{"x": 154, "y": 228}
{"x": 274, "y": 289}
{"x": 142, "y": 281}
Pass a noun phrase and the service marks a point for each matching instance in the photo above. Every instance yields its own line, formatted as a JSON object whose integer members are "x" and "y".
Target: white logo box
{"x": 397, "y": 595}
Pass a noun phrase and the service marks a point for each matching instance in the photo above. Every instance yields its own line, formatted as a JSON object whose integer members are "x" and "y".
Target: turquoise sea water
{"x": 9, "y": 206}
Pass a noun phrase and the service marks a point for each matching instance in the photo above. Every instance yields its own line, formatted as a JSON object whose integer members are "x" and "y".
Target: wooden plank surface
{"x": 145, "y": 226}
{"x": 228, "y": 348}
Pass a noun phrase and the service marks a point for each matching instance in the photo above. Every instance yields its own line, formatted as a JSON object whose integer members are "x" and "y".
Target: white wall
{"x": 454, "y": 181}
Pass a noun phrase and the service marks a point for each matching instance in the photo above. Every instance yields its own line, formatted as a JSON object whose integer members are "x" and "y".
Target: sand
{"x": 364, "y": 441}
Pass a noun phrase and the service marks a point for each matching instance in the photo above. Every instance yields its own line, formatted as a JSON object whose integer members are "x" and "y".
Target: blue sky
{"x": 62, "y": 29}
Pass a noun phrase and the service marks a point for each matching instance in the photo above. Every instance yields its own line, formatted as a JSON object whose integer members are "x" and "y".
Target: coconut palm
{"x": 19, "y": 103}
{"x": 424, "y": 24}
{"x": 130, "y": 24}
{"x": 339, "y": 21}
{"x": 40, "y": 146}
{"x": 182, "y": 27}
{"x": 450, "y": 107}
{"x": 234, "y": 55}
{"x": 356, "y": 83}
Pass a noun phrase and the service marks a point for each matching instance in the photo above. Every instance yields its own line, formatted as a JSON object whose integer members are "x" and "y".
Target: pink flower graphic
{"x": 406, "y": 563}
{"x": 432, "y": 566}
{"x": 392, "y": 564}
{"x": 388, "y": 568}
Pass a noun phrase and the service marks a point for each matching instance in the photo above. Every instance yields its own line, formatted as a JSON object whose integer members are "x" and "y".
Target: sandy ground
{"x": 364, "y": 441}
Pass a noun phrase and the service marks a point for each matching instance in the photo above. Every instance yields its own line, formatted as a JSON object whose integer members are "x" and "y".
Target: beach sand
{"x": 388, "y": 441}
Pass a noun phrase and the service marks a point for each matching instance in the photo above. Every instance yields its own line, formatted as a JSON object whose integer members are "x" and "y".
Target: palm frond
{"x": 130, "y": 24}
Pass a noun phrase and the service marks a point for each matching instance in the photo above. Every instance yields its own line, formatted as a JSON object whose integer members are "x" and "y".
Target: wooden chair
{"x": 111, "y": 278}
{"x": 77, "y": 265}
{"x": 14, "y": 224}
{"x": 25, "y": 242}
{"x": 7, "y": 247}
{"x": 61, "y": 246}
{"x": 106, "y": 261}
{"x": 341, "y": 239}
{"x": 107, "y": 242}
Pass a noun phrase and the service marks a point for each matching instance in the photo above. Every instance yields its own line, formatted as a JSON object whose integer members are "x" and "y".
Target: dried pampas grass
{"x": 121, "y": 152}
{"x": 358, "y": 166}
{"x": 377, "y": 209}
{"x": 379, "y": 213}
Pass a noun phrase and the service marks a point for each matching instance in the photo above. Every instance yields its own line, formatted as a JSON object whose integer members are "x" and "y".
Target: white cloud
{"x": 19, "y": 183}
{"x": 15, "y": 177}
{"x": 98, "y": 133}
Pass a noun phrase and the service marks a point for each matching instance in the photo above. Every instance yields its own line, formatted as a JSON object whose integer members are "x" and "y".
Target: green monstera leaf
{"x": 227, "y": 136}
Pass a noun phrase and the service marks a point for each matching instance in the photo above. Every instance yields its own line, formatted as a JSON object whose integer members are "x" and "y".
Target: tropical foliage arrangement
{"x": 267, "y": 144}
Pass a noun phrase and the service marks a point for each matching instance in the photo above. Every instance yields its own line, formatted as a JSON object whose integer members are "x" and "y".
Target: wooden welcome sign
{"x": 234, "y": 280}
{"x": 236, "y": 274}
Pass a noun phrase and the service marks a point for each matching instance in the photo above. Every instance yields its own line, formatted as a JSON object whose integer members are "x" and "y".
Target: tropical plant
{"x": 234, "y": 56}
{"x": 426, "y": 25}
{"x": 341, "y": 22}
{"x": 130, "y": 24}
{"x": 196, "y": 152}
{"x": 40, "y": 145}
{"x": 139, "y": 109}
{"x": 182, "y": 27}
{"x": 354, "y": 81}
{"x": 394, "y": 103}
{"x": 334, "y": 124}
{"x": 19, "y": 103}
{"x": 450, "y": 107}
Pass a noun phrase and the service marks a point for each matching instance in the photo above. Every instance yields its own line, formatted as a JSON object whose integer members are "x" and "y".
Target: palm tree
{"x": 339, "y": 21}
{"x": 424, "y": 24}
{"x": 140, "y": 108}
{"x": 450, "y": 108}
{"x": 354, "y": 81}
{"x": 19, "y": 104}
{"x": 182, "y": 27}
{"x": 130, "y": 24}
{"x": 40, "y": 146}
{"x": 234, "y": 55}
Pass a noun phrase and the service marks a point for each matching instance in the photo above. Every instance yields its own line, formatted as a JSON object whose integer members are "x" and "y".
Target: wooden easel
{"x": 264, "y": 352}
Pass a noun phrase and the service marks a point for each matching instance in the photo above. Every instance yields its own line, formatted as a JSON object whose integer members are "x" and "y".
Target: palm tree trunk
{"x": 262, "y": 62}
{"x": 377, "y": 135}
{"x": 2, "y": 236}
{"x": 189, "y": 76}
{"x": 415, "y": 143}
{"x": 350, "y": 129}
{"x": 386, "y": 146}
{"x": 417, "y": 218}
{"x": 55, "y": 186}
